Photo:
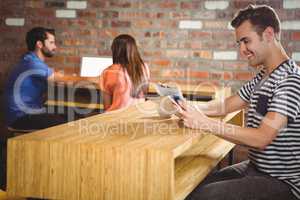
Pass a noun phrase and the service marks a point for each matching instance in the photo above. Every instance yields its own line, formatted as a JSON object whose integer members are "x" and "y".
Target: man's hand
{"x": 191, "y": 116}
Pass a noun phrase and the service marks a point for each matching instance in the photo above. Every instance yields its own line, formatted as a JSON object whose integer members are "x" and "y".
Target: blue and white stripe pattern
{"x": 279, "y": 92}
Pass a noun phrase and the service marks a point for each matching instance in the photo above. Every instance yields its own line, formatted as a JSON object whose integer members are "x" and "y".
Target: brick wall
{"x": 181, "y": 40}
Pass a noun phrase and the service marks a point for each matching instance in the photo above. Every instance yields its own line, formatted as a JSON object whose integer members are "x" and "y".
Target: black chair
{"x": 12, "y": 132}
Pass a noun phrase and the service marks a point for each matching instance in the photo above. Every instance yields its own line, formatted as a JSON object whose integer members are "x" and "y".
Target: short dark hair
{"x": 260, "y": 16}
{"x": 37, "y": 34}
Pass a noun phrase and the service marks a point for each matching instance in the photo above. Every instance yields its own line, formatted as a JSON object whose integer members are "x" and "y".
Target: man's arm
{"x": 253, "y": 137}
{"x": 58, "y": 76}
{"x": 220, "y": 108}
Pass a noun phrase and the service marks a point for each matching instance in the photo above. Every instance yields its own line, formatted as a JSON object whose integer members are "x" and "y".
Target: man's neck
{"x": 39, "y": 55}
{"x": 275, "y": 58}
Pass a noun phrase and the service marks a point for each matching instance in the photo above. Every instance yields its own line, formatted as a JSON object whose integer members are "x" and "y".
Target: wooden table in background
{"x": 192, "y": 92}
{"x": 129, "y": 154}
{"x": 187, "y": 89}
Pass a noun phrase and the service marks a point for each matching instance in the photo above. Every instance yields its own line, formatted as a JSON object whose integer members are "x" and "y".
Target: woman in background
{"x": 126, "y": 80}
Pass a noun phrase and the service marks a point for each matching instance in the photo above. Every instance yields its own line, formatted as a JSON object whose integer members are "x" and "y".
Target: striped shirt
{"x": 278, "y": 92}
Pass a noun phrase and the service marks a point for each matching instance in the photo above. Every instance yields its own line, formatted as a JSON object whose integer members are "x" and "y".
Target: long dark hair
{"x": 125, "y": 52}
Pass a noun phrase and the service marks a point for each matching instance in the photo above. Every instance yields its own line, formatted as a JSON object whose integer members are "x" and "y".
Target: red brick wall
{"x": 173, "y": 52}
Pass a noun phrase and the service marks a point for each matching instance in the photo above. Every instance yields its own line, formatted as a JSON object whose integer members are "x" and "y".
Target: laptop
{"x": 94, "y": 66}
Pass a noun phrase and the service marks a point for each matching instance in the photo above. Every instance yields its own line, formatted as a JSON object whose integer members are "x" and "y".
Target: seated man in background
{"x": 27, "y": 84}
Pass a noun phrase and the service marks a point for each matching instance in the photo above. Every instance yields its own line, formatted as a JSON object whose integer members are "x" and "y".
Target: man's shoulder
{"x": 30, "y": 56}
{"x": 31, "y": 61}
{"x": 291, "y": 78}
{"x": 292, "y": 68}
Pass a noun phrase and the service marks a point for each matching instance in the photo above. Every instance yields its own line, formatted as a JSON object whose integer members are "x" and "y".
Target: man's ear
{"x": 269, "y": 34}
{"x": 39, "y": 44}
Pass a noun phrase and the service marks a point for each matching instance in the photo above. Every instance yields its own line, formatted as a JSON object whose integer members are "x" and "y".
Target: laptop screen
{"x": 93, "y": 66}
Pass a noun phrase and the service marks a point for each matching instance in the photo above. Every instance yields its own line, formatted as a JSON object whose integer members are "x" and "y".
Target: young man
{"x": 273, "y": 118}
{"x": 27, "y": 84}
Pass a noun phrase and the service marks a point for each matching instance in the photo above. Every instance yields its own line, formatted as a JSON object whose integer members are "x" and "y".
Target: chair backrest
{"x": 15, "y": 132}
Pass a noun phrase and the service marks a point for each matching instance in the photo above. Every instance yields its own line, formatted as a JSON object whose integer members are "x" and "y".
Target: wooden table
{"x": 187, "y": 89}
{"x": 3, "y": 196}
{"x": 191, "y": 92}
{"x": 126, "y": 154}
